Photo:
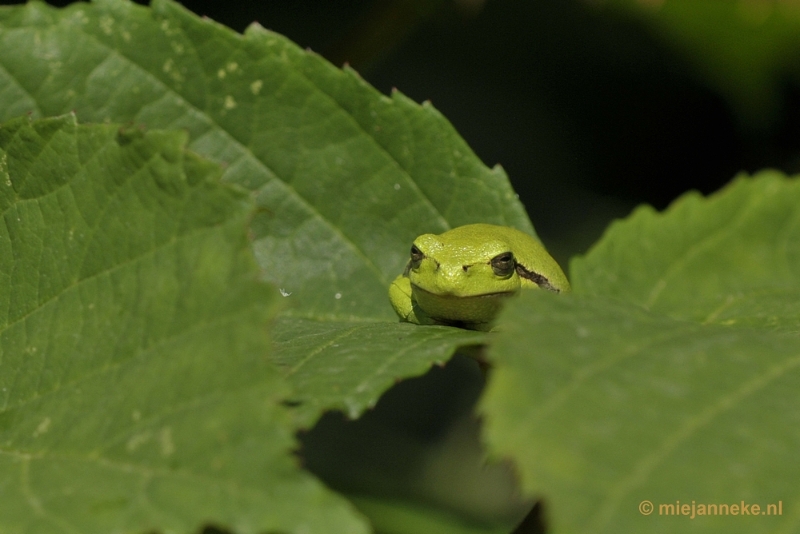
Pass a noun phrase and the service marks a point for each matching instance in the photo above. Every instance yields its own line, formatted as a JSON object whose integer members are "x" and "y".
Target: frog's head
{"x": 448, "y": 266}
{"x": 462, "y": 276}
{"x": 459, "y": 278}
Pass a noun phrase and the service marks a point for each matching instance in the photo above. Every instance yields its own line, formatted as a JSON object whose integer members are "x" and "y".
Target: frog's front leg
{"x": 402, "y": 299}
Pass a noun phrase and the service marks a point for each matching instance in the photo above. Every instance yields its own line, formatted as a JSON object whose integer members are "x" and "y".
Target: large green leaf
{"x": 344, "y": 177}
{"x": 671, "y": 374}
{"x": 731, "y": 260}
{"x": 135, "y": 392}
{"x": 328, "y": 359}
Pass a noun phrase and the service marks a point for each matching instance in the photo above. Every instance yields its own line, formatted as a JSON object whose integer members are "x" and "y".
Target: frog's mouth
{"x": 463, "y": 297}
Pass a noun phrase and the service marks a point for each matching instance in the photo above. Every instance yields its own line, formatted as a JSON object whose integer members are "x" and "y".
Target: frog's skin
{"x": 461, "y": 277}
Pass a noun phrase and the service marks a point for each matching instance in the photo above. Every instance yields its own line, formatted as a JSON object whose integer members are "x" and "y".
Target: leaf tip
{"x": 255, "y": 28}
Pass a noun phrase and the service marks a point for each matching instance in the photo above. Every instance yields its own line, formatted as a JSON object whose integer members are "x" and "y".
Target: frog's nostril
{"x": 465, "y": 267}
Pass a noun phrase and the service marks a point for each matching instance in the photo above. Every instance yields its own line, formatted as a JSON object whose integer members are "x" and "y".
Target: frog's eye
{"x": 503, "y": 264}
{"x": 416, "y": 256}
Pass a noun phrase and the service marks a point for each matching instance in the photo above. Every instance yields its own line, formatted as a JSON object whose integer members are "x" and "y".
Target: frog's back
{"x": 528, "y": 250}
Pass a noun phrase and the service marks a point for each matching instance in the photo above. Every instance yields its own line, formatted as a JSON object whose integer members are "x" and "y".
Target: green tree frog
{"x": 461, "y": 277}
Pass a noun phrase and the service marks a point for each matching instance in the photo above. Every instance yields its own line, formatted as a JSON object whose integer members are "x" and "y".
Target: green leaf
{"x": 344, "y": 177}
{"x": 346, "y": 365}
{"x": 732, "y": 259}
{"x": 134, "y": 390}
{"x": 669, "y": 375}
